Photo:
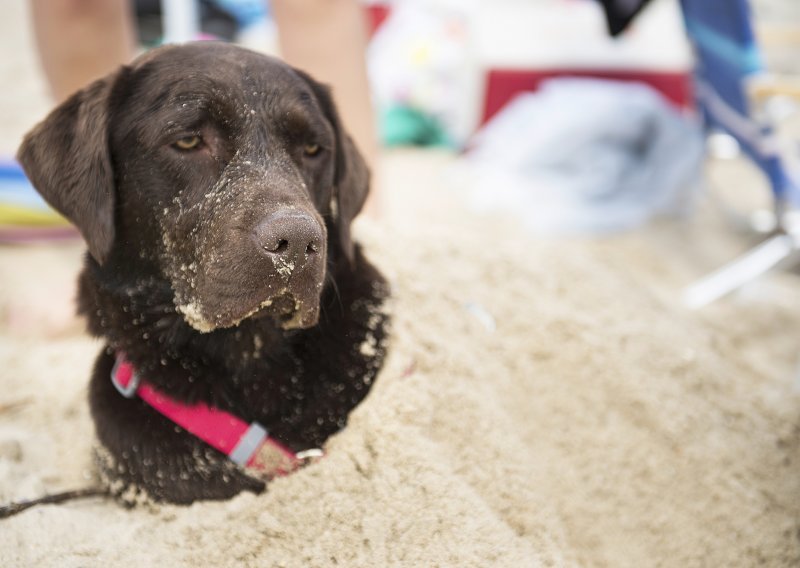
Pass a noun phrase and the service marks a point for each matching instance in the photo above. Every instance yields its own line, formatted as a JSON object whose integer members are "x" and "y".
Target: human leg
{"x": 328, "y": 39}
{"x": 81, "y": 40}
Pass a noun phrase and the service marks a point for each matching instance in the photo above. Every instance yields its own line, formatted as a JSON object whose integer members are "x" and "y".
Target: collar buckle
{"x": 122, "y": 367}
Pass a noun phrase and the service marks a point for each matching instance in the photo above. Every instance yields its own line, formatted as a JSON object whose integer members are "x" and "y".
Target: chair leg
{"x": 742, "y": 270}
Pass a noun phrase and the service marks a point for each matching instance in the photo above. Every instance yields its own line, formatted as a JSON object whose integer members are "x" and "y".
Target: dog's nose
{"x": 292, "y": 236}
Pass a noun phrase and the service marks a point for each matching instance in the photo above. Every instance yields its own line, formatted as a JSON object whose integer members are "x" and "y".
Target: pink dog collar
{"x": 247, "y": 445}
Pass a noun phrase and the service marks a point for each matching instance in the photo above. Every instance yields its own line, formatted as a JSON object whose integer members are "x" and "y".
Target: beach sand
{"x": 544, "y": 403}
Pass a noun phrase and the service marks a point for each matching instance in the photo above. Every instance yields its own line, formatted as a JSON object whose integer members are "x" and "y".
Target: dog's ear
{"x": 67, "y": 159}
{"x": 351, "y": 181}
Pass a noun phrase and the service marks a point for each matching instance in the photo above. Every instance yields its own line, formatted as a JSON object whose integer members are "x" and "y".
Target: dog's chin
{"x": 287, "y": 311}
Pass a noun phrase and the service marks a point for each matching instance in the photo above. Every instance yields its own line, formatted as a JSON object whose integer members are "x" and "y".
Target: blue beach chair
{"x": 728, "y": 66}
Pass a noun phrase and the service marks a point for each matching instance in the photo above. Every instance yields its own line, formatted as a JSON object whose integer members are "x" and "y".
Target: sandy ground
{"x": 583, "y": 417}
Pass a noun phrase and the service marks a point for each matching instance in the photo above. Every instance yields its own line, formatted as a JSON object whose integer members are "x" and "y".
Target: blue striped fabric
{"x": 727, "y": 57}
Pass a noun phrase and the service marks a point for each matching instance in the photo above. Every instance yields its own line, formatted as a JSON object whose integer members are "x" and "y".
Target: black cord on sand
{"x": 14, "y": 508}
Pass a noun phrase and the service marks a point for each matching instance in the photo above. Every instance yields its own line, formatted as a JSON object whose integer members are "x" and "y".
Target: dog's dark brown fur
{"x": 188, "y": 275}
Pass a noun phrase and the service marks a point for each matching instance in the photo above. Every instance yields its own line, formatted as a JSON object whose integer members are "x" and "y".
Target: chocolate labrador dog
{"x": 215, "y": 189}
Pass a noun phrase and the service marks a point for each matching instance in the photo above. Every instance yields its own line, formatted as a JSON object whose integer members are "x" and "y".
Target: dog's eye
{"x": 188, "y": 142}
{"x": 311, "y": 149}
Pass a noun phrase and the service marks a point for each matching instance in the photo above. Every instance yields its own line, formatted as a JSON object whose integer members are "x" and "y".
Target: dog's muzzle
{"x": 295, "y": 243}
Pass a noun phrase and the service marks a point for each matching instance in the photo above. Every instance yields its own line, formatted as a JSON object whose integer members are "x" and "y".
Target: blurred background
{"x": 587, "y": 211}
{"x": 570, "y": 118}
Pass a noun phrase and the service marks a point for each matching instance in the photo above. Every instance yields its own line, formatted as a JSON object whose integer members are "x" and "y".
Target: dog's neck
{"x": 141, "y": 320}
{"x": 255, "y": 370}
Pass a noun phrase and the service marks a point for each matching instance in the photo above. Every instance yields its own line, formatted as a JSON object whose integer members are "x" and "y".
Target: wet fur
{"x": 92, "y": 161}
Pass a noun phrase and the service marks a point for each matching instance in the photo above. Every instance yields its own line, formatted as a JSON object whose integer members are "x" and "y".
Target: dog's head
{"x": 223, "y": 171}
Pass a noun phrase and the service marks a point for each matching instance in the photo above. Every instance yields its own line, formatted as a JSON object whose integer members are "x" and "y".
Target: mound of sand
{"x": 543, "y": 404}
